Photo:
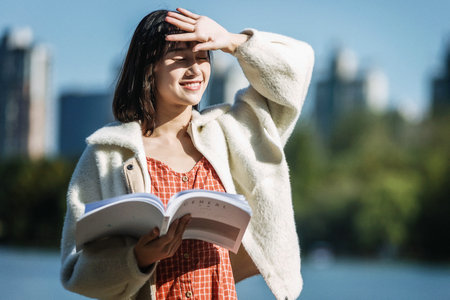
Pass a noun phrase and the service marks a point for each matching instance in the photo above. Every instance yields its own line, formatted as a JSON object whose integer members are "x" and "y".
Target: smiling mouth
{"x": 192, "y": 85}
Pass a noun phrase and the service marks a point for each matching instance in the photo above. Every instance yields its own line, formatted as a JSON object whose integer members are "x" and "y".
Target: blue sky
{"x": 406, "y": 39}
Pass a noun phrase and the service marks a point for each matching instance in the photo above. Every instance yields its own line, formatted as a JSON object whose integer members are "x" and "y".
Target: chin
{"x": 194, "y": 103}
{"x": 193, "y": 100}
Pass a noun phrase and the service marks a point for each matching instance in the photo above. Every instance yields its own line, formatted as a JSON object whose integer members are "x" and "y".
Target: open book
{"x": 216, "y": 217}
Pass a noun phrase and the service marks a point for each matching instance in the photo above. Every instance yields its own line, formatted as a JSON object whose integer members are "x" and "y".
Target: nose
{"x": 194, "y": 68}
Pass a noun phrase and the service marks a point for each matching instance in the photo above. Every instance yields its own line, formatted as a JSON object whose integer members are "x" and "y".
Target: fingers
{"x": 142, "y": 257}
{"x": 172, "y": 248}
{"x": 176, "y": 230}
{"x": 184, "y": 221}
{"x": 172, "y": 240}
{"x": 186, "y": 26}
{"x": 152, "y": 235}
{"x": 185, "y": 20}
{"x": 196, "y": 27}
{"x": 181, "y": 37}
{"x": 204, "y": 46}
{"x": 181, "y": 17}
{"x": 151, "y": 248}
{"x": 175, "y": 243}
{"x": 180, "y": 226}
{"x": 209, "y": 34}
{"x": 188, "y": 13}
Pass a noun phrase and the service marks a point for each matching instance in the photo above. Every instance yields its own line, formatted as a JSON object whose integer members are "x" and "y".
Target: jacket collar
{"x": 208, "y": 114}
{"x": 129, "y": 135}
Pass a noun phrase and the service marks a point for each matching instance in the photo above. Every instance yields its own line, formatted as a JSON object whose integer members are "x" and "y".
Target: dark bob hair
{"x": 134, "y": 97}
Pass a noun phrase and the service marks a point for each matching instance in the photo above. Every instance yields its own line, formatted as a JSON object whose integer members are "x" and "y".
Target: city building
{"x": 440, "y": 98}
{"x": 226, "y": 79}
{"x": 24, "y": 95}
{"x": 345, "y": 89}
{"x": 81, "y": 113}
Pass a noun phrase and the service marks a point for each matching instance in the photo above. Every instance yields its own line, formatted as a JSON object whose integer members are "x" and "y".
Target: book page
{"x": 126, "y": 197}
{"x": 215, "y": 218}
{"x": 131, "y": 217}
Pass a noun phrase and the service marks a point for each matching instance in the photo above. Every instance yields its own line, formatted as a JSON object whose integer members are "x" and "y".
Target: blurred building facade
{"x": 81, "y": 113}
{"x": 345, "y": 89}
{"x": 24, "y": 95}
{"x": 440, "y": 98}
{"x": 226, "y": 79}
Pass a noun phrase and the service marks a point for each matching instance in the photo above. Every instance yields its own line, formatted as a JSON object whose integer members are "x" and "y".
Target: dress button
{"x": 189, "y": 294}
{"x": 186, "y": 255}
{"x": 130, "y": 167}
{"x": 185, "y": 178}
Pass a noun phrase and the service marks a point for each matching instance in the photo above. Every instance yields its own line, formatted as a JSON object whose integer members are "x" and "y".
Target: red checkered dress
{"x": 198, "y": 270}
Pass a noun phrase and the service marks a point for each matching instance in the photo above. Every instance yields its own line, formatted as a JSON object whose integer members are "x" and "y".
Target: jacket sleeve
{"x": 255, "y": 130}
{"x": 279, "y": 70}
{"x": 106, "y": 269}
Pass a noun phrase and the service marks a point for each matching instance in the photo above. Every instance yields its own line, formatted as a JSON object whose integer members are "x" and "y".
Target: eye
{"x": 178, "y": 58}
{"x": 202, "y": 56}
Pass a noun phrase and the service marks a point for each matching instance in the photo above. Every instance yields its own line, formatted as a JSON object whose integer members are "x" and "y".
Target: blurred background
{"x": 369, "y": 159}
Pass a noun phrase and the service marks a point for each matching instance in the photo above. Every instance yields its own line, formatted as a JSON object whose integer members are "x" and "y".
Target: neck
{"x": 172, "y": 122}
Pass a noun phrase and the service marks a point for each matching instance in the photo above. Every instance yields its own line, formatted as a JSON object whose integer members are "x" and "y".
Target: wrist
{"x": 236, "y": 39}
{"x": 143, "y": 264}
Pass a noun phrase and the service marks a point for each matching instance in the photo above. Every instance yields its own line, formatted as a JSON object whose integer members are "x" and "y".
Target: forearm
{"x": 104, "y": 269}
{"x": 279, "y": 69}
{"x": 236, "y": 40}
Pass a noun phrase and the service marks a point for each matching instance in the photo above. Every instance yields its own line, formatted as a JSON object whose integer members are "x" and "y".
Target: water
{"x": 32, "y": 274}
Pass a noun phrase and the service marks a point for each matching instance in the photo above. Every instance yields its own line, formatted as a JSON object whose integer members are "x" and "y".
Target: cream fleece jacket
{"x": 243, "y": 142}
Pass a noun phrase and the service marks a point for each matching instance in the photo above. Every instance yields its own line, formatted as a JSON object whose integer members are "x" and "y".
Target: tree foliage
{"x": 32, "y": 200}
{"x": 379, "y": 183}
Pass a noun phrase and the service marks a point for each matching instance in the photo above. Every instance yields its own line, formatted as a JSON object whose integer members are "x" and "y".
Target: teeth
{"x": 195, "y": 84}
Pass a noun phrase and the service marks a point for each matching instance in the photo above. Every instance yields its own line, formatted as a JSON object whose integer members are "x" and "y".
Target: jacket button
{"x": 189, "y": 294}
{"x": 185, "y": 178}
{"x": 130, "y": 167}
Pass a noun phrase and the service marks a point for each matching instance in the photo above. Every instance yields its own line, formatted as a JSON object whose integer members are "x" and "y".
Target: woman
{"x": 161, "y": 144}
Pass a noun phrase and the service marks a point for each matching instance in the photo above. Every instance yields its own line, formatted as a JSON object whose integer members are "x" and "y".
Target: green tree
{"x": 32, "y": 202}
{"x": 380, "y": 181}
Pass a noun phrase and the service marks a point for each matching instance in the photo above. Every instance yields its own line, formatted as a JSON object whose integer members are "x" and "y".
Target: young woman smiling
{"x": 162, "y": 144}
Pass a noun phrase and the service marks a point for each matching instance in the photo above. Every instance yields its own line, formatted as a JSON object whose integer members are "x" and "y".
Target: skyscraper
{"x": 345, "y": 89}
{"x": 24, "y": 95}
{"x": 226, "y": 79}
{"x": 81, "y": 113}
{"x": 441, "y": 87}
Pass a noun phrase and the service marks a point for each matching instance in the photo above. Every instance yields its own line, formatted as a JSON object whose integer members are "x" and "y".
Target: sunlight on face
{"x": 182, "y": 75}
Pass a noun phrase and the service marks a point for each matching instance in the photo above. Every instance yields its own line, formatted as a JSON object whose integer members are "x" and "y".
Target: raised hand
{"x": 209, "y": 34}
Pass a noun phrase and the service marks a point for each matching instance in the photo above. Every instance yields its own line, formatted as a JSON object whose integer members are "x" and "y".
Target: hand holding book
{"x": 151, "y": 247}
